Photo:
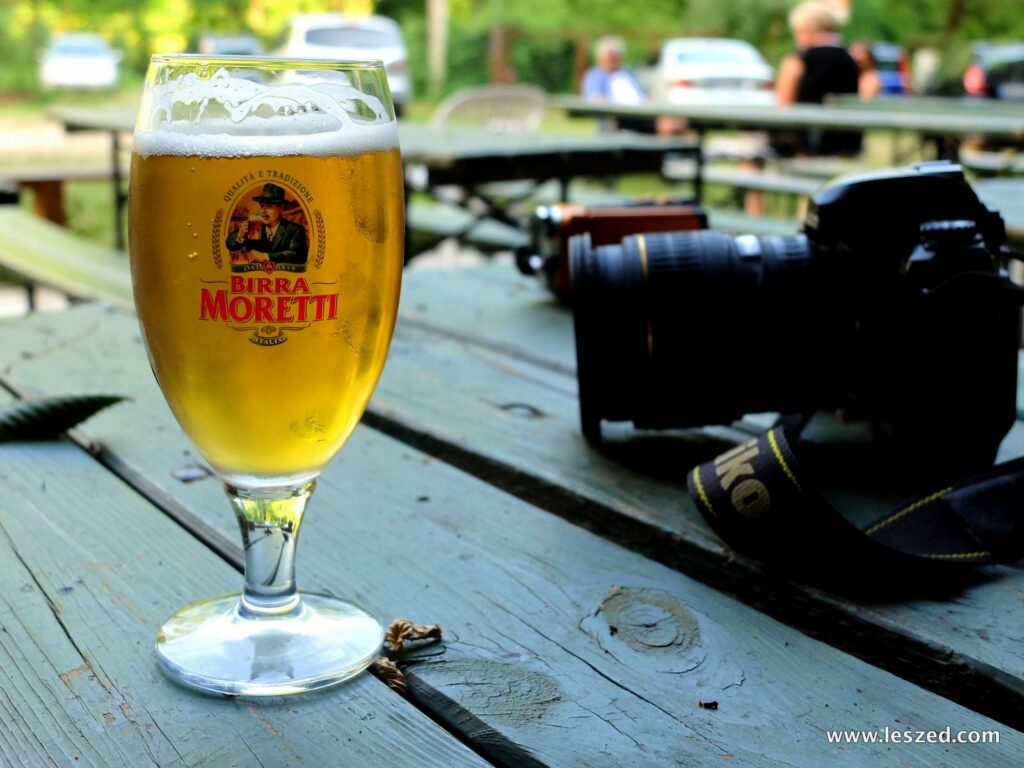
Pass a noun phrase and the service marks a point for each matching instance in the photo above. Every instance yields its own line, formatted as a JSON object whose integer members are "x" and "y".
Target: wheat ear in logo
{"x": 321, "y": 239}
{"x": 218, "y": 221}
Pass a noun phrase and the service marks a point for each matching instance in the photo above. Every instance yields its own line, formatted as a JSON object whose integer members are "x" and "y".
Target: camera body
{"x": 552, "y": 226}
{"x": 893, "y": 305}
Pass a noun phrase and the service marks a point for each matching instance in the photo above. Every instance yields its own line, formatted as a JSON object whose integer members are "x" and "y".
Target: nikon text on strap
{"x": 760, "y": 501}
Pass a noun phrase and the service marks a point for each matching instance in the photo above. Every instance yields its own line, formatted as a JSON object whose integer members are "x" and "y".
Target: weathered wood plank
{"x": 88, "y": 570}
{"x": 516, "y": 424}
{"x": 50, "y": 255}
{"x": 494, "y": 306}
{"x": 562, "y": 647}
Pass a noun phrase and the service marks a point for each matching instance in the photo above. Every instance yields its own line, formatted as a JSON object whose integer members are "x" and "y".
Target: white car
{"x": 698, "y": 70}
{"x": 79, "y": 60}
{"x": 338, "y": 36}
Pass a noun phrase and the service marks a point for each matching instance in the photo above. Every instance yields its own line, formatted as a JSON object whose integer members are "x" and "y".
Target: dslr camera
{"x": 893, "y": 304}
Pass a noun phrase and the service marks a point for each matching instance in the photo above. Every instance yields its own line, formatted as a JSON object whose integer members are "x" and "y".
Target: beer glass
{"x": 266, "y": 231}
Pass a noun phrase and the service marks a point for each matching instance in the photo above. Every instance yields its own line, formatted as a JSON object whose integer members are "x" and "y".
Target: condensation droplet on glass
{"x": 193, "y": 255}
{"x": 195, "y": 235}
{"x": 188, "y": 224}
{"x": 193, "y": 169}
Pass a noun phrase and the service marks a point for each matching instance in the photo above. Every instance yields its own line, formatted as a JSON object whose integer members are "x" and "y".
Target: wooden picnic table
{"x": 946, "y": 128}
{"x": 461, "y": 156}
{"x": 795, "y": 116}
{"x": 590, "y": 616}
{"x": 930, "y": 104}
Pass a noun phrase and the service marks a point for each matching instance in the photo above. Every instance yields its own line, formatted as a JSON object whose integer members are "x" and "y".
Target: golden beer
{"x": 266, "y": 234}
{"x": 267, "y": 335}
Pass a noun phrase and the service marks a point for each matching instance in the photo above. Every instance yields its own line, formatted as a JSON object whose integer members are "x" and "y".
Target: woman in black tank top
{"x": 827, "y": 69}
{"x": 822, "y": 67}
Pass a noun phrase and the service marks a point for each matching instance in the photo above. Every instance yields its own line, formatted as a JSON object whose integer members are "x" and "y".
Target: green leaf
{"x": 47, "y": 417}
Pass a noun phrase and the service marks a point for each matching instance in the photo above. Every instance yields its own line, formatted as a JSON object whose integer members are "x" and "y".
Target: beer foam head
{"x": 230, "y": 116}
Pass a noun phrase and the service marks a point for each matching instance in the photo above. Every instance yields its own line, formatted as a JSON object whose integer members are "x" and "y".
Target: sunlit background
{"x": 94, "y": 53}
{"x": 456, "y": 43}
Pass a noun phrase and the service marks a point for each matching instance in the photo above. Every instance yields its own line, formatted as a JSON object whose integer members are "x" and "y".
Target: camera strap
{"x": 760, "y": 501}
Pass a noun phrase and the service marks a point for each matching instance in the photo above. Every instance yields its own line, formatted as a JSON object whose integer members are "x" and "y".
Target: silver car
{"x": 338, "y": 36}
{"x": 79, "y": 60}
{"x": 698, "y": 70}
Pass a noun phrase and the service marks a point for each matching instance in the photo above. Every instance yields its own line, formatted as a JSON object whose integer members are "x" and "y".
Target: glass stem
{"x": 270, "y": 520}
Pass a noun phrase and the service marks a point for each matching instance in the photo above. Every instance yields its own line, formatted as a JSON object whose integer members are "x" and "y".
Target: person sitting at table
{"x": 820, "y": 67}
{"x": 869, "y": 84}
{"x": 608, "y": 82}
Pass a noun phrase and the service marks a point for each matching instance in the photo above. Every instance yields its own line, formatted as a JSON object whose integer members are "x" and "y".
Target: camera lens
{"x": 684, "y": 329}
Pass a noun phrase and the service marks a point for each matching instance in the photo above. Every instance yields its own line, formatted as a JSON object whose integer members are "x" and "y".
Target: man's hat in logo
{"x": 272, "y": 194}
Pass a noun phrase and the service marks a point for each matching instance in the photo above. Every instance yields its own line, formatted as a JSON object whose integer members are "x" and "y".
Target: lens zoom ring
{"x": 679, "y": 256}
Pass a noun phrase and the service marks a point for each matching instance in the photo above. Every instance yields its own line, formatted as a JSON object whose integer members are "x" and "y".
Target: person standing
{"x": 821, "y": 66}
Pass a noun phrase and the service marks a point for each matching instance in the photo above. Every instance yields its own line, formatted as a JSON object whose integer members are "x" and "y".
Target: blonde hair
{"x": 813, "y": 17}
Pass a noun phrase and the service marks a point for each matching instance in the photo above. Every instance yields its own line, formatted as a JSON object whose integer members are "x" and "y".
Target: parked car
{"x": 229, "y": 45}
{"x": 79, "y": 60}
{"x": 338, "y": 36}
{"x": 893, "y": 65}
{"x": 712, "y": 70}
{"x": 997, "y": 71}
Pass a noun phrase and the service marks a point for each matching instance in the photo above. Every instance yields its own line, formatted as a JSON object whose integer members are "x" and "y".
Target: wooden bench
{"x": 432, "y": 222}
{"x": 740, "y": 223}
{"x": 983, "y": 163}
{"x": 429, "y": 222}
{"x": 47, "y": 254}
{"x": 749, "y": 184}
{"x": 762, "y": 181}
{"x": 47, "y": 186}
{"x": 729, "y": 175}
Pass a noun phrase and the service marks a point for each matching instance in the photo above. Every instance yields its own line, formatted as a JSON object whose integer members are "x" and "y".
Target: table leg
{"x": 115, "y": 172}
{"x": 698, "y": 173}
{"x": 563, "y": 189}
{"x": 48, "y": 200}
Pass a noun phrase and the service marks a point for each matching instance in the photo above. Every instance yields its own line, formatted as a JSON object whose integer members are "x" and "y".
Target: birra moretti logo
{"x": 250, "y": 303}
{"x": 269, "y": 227}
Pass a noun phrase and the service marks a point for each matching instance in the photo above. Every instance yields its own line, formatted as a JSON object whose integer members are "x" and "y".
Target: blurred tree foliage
{"x": 545, "y": 39}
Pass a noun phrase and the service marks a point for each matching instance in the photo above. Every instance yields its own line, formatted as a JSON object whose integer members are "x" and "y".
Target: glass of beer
{"x": 266, "y": 233}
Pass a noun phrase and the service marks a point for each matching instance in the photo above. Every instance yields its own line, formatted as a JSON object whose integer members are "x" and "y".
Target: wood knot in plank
{"x": 654, "y": 624}
{"x": 648, "y": 619}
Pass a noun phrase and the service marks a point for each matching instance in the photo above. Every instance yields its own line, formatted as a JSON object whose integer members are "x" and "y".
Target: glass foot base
{"x": 212, "y": 647}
